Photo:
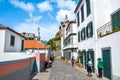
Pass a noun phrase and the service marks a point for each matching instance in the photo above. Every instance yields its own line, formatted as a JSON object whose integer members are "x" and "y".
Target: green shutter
{"x": 93, "y": 62}
{"x": 88, "y": 7}
{"x": 78, "y": 22}
{"x": 82, "y": 13}
{"x": 84, "y": 33}
{"x": 85, "y": 59}
{"x": 87, "y": 55}
{"x": 87, "y": 32}
{"x": 78, "y": 36}
{"x": 91, "y": 31}
{"x": 81, "y": 35}
{"x": 116, "y": 19}
{"x": 81, "y": 59}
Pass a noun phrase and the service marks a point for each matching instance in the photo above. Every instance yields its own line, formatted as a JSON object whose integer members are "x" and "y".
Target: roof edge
{"x": 4, "y": 27}
{"x": 79, "y": 3}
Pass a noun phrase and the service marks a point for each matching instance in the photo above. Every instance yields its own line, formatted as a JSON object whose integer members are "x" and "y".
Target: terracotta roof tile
{"x": 33, "y": 44}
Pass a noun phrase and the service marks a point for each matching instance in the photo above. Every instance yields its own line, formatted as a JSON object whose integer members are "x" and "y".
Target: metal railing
{"x": 106, "y": 28}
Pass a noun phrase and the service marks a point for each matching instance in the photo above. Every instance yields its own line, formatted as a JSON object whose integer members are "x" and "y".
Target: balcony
{"x": 105, "y": 29}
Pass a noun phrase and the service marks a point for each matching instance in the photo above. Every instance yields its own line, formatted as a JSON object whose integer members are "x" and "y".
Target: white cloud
{"x": 61, "y": 15}
{"x": 46, "y": 33}
{"x": 66, "y": 8}
{"x": 33, "y": 18}
{"x": 66, "y": 4}
{"x": 28, "y": 6}
{"x": 45, "y": 6}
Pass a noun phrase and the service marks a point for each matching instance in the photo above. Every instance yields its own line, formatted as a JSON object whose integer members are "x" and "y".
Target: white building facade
{"x": 69, "y": 39}
{"x": 10, "y": 40}
{"x": 91, "y": 15}
{"x": 85, "y": 32}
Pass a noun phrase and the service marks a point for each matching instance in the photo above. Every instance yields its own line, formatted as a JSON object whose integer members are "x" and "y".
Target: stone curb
{"x": 43, "y": 75}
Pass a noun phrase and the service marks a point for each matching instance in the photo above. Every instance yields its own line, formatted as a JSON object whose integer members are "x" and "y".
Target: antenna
{"x": 38, "y": 33}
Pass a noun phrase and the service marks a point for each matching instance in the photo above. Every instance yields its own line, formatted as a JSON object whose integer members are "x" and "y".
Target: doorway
{"x": 106, "y": 62}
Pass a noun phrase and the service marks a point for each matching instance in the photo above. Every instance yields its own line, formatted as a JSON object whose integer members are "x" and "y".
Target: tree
{"x": 57, "y": 38}
{"x": 52, "y": 44}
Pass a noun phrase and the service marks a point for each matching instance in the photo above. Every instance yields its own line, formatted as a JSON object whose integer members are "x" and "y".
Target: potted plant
{"x": 108, "y": 32}
{"x": 100, "y": 34}
{"x": 62, "y": 58}
{"x": 114, "y": 29}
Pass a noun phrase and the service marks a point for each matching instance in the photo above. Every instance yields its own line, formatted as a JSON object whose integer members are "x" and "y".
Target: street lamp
{"x": 38, "y": 37}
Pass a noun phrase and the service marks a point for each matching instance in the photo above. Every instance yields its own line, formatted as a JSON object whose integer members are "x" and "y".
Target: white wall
{"x": 90, "y": 42}
{"x": 10, "y": 56}
{"x": 75, "y": 40}
{"x": 35, "y": 51}
{"x": 112, "y": 41}
{"x": 101, "y": 10}
{"x": 18, "y": 42}
{"x": 74, "y": 27}
{"x": 2, "y": 40}
{"x": 115, "y": 4}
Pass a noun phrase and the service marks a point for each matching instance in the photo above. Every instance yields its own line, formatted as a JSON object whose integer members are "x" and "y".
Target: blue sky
{"x": 28, "y": 15}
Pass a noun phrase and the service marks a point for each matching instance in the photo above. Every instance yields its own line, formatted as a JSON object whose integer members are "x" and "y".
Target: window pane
{"x": 12, "y": 40}
{"x": 83, "y": 34}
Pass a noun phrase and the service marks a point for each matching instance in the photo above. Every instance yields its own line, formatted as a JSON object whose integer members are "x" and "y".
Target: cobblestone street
{"x": 61, "y": 70}
{"x": 64, "y": 71}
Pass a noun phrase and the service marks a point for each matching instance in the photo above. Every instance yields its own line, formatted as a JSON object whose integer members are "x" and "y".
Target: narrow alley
{"x": 64, "y": 71}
